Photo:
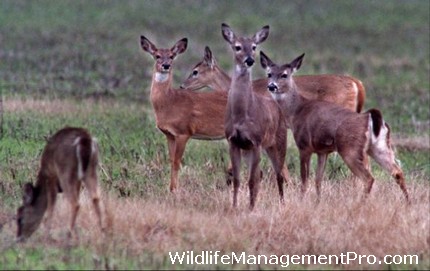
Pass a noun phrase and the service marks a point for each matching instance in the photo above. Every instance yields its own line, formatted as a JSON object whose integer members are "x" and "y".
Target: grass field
{"x": 79, "y": 63}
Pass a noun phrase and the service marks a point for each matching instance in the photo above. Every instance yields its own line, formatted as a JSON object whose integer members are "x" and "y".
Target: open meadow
{"x": 79, "y": 63}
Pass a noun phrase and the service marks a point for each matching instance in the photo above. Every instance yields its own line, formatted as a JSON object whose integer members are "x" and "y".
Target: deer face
{"x": 244, "y": 48}
{"x": 202, "y": 72}
{"x": 163, "y": 57}
{"x": 28, "y": 216}
{"x": 280, "y": 78}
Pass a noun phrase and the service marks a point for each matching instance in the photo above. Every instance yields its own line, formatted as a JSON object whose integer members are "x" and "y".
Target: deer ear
{"x": 227, "y": 33}
{"x": 28, "y": 194}
{"x": 265, "y": 60}
{"x": 180, "y": 46}
{"x": 147, "y": 45}
{"x": 208, "y": 58}
{"x": 261, "y": 35}
{"x": 296, "y": 63}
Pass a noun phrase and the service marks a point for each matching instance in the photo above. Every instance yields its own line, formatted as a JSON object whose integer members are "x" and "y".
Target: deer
{"x": 252, "y": 122}
{"x": 181, "y": 115}
{"x": 69, "y": 160}
{"x": 321, "y": 127}
{"x": 343, "y": 90}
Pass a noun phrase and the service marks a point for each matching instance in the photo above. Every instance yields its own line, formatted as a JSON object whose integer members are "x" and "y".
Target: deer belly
{"x": 207, "y": 137}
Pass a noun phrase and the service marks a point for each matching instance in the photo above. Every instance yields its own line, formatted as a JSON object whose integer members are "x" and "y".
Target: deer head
{"x": 244, "y": 48}
{"x": 163, "y": 57}
{"x": 280, "y": 78}
{"x": 29, "y": 215}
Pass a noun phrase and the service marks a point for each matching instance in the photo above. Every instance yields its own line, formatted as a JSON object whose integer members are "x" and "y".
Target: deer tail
{"x": 361, "y": 94}
{"x": 377, "y": 122}
{"x": 86, "y": 149}
{"x": 380, "y": 129}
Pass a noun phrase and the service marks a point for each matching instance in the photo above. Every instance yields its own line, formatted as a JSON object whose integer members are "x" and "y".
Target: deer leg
{"x": 73, "y": 198}
{"x": 356, "y": 163}
{"x": 229, "y": 177}
{"x": 305, "y": 159}
{"x": 322, "y": 159}
{"x": 278, "y": 165}
{"x": 176, "y": 150}
{"x": 235, "y": 157}
{"x": 91, "y": 184}
{"x": 52, "y": 198}
{"x": 384, "y": 156}
{"x": 400, "y": 180}
{"x": 387, "y": 161}
{"x": 254, "y": 176}
{"x": 171, "y": 147}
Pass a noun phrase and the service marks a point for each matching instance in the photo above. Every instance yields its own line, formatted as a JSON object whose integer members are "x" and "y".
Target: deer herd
{"x": 323, "y": 113}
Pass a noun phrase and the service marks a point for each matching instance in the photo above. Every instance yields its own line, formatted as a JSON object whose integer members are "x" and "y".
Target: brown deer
{"x": 181, "y": 115}
{"x": 70, "y": 159}
{"x": 344, "y": 90}
{"x": 252, "y": 121}
{"x": 321, "y": 127}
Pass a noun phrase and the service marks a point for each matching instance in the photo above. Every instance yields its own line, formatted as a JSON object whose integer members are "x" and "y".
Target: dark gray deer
{"x": 321, "y": 127}
{"x": 253, "y": 122}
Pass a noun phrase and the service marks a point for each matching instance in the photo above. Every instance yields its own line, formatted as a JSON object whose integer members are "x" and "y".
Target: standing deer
{"x": 69, "y": 160}
{"x": 181, "y": 115}
{"x": 343, "y": 90}
{"x": 252, "y": 121}
{"x": 321, "y": 127}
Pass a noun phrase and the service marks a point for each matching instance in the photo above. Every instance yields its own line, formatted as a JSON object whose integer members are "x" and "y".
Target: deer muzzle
{"x": 272, "y": 87}
{"x": 249, "y": 61}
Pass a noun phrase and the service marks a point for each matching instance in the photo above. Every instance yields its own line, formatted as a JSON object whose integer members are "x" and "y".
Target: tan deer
{"x": 180, "y": 114}
{"x": 344, "y": 90}
{"x": 253, "y": 122}
{"x": 69, "y": 160}
{"x": 321, "y": 127}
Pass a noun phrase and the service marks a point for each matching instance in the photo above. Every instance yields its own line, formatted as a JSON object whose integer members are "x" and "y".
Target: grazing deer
{"x": 321, "y": 127}
{"x": 252, "y": 121}
{"x": 70, "y": 159}
{"x": 179, "y": 114}
{"x": 344, "y": 90}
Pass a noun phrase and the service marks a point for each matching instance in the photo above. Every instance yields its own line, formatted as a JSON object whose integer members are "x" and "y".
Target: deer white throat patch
{"x": 278, "y": 96}
{"x": 161, "y": 77}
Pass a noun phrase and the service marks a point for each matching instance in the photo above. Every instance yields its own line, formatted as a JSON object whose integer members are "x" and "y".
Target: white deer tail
{"x": 85, "y": 150}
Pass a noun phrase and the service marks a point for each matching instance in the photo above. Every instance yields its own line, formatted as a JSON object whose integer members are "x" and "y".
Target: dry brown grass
{"x": 203, "y": 220}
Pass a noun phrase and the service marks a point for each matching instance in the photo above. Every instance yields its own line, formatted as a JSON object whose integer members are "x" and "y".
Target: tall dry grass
{"x": 197, "y": 219}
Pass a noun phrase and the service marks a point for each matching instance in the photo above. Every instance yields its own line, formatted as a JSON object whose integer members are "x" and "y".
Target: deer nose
{"x": 272, "y": 87}
{"x": 249, "y": 61}
{"x": 166, "y": 66}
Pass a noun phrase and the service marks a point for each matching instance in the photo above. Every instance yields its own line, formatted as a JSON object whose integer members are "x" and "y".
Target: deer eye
{"x": 157, "y": 57}
{"x": 195, "y": 72}
{"x": 269, "y": 75}
{"x": 237, "y": 48}
{"x": 254, "y": 47}
{"x": 284, "y": 76}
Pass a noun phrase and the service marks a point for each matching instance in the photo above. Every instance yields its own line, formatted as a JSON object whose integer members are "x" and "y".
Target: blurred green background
{"x": 91, "y": 48}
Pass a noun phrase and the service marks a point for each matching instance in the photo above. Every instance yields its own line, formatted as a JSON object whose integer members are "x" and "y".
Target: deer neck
{"x": 291, "y": 102}
{"x": 160, "y": 87}
{"x": 222, "y": 79}
{"x": 41, "y": 198}
{"x": 240, "y": 96}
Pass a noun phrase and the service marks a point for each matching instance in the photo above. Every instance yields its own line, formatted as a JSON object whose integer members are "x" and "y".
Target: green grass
{"x": 79, "y": 63}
